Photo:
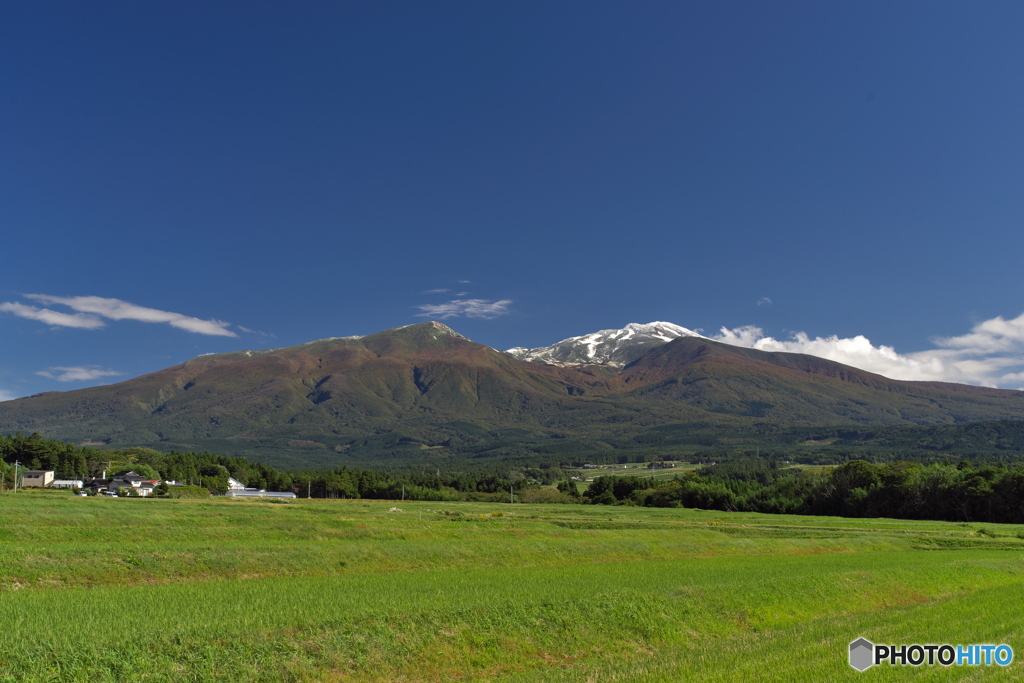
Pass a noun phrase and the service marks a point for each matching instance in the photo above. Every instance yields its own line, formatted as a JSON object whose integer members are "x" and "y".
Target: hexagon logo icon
{"x": 862, "y": 654}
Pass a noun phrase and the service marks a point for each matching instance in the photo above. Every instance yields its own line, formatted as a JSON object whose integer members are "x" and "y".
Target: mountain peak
{"x": 606, "y": 347}
{"x": 431, "y": 327}
{"x": 414, "y": 338}
{"x": 444, "y": 329}
{"x": 668, "y": 331}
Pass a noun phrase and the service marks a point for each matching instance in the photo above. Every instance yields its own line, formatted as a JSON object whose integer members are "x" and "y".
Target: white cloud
{"x": 764, "y": 301}
{"x": 6, "y": 395}
{"x": 465, "y": 282}
{"x": 992, "y": 354}
{"x": 81, "y": 373}
{"x": 437, "y": 291}
{"x": 116, "y": 309}
{"x": 992, "y": 336}
{"x": 45, "y": 315}
{"x": 465, "y": 308}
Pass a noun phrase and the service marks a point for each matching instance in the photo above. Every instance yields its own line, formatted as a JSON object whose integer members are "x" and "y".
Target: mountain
{"x": 792, "y": 388}
{"x": 425, "y": 391}
{"x": 405, "y": 386}
{"x": 607, "y": 347}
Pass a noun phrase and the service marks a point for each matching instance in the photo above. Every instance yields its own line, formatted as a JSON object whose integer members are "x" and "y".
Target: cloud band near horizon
{"x": 991, "y": 354}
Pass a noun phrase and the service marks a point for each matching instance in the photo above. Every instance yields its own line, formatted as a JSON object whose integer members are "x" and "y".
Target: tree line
{"x": 902, "y": 490}
{"x": 212, "y": 471}
{"x": 972, "y": 492}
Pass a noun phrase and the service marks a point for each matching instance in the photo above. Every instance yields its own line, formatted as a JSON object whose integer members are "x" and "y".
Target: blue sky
{"x": 192, "y": 177}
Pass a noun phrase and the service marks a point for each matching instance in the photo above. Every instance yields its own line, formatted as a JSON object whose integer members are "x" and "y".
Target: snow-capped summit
{"x": 607, "y": 347}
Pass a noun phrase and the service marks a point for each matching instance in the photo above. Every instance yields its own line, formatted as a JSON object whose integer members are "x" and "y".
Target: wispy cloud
{"x": 80, "y": 373}
{"x": 465, "y": 282}
{"x": 90, "y": 310}
{"x": 45, "y": 315}
{"x": 991, "y": 354}
{"x": 256, "y": 332}
{"x": 764, "y": 301}
{"x": 437, "y": 291}
{"x": 466, "y": 308}
{"x": 6, "y": 395}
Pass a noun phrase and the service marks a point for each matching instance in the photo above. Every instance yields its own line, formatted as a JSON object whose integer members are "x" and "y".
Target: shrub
{"x": 189, "y": 492}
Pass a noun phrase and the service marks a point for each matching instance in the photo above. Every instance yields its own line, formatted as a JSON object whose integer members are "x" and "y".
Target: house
{"x": 67, "y": 484}
{"x": 39, "y": 478}
{"x": 130, "y": 480}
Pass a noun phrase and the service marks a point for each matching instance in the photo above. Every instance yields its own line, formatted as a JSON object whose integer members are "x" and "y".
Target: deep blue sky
{"x": 308, "y": 169}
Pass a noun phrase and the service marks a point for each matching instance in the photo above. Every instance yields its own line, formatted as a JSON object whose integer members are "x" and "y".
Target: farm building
{"x": 39, "y": 478}
{"x": 67, "y": 484}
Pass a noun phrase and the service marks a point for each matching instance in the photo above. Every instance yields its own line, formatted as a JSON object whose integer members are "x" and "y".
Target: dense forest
{"x": 987, "y": 489}
{"x": 903, "y": 490}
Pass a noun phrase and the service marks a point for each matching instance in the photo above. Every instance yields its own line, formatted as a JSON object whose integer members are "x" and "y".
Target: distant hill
{"x": 422, "y": 389}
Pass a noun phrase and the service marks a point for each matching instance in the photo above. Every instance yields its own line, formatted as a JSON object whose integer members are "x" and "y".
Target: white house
{"x": 67, "y": 484}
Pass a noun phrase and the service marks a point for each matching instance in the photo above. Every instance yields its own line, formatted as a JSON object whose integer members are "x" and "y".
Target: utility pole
{"x": 309, "y": 488}
{"x": 403, "y": 493}
{"x": 511, "y": 498}
{"x": 16, "y": 463}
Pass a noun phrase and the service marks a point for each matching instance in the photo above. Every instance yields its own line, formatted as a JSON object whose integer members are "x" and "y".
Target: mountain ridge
{"x": 427, "y": 384}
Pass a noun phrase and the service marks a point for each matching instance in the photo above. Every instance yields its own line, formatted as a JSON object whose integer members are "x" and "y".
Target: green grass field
{"x": 125, "y": 589}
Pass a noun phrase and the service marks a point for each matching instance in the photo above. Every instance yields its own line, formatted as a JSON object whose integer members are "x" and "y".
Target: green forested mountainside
{"x": 423, "y": 392}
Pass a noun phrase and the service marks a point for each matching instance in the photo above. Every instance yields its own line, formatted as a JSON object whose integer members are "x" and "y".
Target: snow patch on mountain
{"x": 606, "y": 347}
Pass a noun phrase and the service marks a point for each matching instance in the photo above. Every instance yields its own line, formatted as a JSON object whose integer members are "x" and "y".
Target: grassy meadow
{"x": 127, "y": 589}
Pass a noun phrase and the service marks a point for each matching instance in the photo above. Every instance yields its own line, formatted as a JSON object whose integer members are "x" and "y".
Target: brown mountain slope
{"x": 326, "y": 392}
{"x": 418, "y": 381}
{"x": 797, "y": 388}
